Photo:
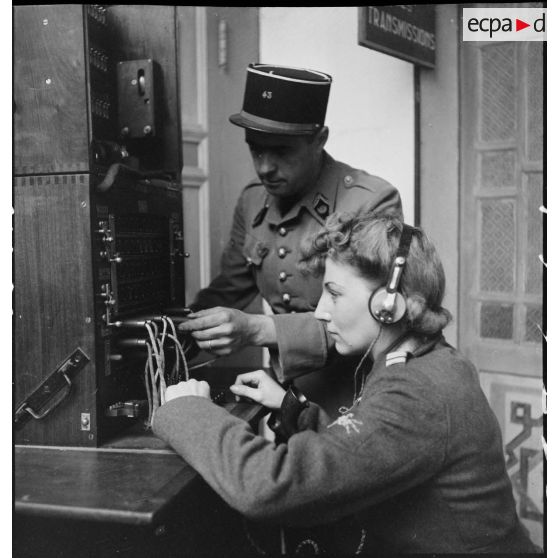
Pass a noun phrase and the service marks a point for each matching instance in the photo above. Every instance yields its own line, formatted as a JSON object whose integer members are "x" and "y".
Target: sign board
{"x": 405, "y": 31}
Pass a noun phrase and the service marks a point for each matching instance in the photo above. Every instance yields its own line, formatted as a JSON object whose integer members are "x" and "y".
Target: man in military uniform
{"x": 299, "y": 185}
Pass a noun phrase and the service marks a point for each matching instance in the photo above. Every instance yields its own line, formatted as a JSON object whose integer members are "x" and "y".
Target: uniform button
{"x": 286, "y": 298}
{"x": 282, "y": 252}
{"x": 283, "y": 231}
{"x": 282, "y": 276}
{"x": 348, "y": 179}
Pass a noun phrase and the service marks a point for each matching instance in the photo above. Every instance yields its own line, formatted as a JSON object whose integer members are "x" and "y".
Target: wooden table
{"x": 132, "y": 495}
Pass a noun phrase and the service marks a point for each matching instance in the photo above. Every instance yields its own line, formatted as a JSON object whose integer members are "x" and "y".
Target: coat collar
{"x": 409, "y": 346}
{"x": 319, "y": 201}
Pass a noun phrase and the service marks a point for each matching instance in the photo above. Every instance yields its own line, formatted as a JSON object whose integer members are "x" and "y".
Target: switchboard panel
{"x": 89, "y": 267}
{"x": 98, "y": 225}
{"x": 66, "y": 87}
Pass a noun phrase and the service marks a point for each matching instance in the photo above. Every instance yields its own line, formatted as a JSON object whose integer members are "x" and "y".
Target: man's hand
{"x": 259, "y": 387}
{"x": 191, "y": 387}
{"x": 222, "y": 331}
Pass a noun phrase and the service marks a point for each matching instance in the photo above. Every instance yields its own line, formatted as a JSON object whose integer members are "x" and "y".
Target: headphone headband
{"x": 386, "y": 304}
{"x": 400, "y": 259}
{"x": 405, "y": 241}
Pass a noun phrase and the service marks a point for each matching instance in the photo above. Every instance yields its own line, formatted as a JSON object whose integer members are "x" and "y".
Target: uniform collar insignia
{"x": 396, "y": 357}
{"x": 321, "y": 206}
{"x": 320, "y": 202}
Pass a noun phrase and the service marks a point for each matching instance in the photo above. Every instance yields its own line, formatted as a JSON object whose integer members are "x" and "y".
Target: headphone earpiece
{"x": 385, "y": 307}
{"x": 386, "y": 304}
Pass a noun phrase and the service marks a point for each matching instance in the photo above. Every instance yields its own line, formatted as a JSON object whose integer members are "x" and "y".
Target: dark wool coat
{"x": 419, "y": 460}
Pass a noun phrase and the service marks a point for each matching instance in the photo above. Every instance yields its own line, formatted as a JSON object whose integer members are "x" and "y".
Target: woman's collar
{"x": 408, "y": 344}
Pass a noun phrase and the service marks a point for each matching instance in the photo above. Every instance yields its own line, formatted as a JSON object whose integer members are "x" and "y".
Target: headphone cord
{"x": 398, "y": 341}
{"x": 356, "y": 397}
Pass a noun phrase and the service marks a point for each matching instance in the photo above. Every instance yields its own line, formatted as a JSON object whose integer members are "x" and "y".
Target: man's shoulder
{"x": 361, "y": 179}
{"x": 253, "y": 192}
{"x": 252, "y": 199}
{"x": 359, "y": 187}
{"x": 253, "y": 187}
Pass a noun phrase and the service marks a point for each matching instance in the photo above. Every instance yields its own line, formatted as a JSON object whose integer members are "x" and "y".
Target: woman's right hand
{"x": 259, "y": 387}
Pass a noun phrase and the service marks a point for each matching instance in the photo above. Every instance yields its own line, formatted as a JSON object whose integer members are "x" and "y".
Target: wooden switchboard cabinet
{"x": 98, "y": 215}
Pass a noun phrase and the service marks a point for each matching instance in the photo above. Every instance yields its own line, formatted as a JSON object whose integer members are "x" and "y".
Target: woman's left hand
{"x": 259, "y": 387}
{"x": 191, "y": 387}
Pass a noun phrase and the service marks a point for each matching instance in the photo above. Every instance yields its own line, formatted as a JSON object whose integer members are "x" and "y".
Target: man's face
{"x": 287, "y": 165}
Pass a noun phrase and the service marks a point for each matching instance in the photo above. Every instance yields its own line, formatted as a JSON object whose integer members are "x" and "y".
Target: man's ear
{"x": 321, "y": 137}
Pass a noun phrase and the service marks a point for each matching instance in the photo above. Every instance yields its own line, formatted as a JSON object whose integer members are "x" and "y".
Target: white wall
{"x": 371, "y": 107}
{"x": 439, "y": 176}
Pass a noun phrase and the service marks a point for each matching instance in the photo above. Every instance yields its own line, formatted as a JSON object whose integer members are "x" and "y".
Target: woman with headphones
{"x": 417, "y": 454}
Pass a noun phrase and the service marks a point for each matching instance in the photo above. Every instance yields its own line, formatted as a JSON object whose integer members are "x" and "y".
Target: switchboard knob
{"x": 116, "y": 259}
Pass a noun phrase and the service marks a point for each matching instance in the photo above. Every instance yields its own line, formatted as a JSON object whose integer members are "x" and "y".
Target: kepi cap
{"x": 283, "y": 100}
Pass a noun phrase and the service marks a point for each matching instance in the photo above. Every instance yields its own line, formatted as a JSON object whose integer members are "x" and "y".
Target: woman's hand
{"x": 191, "y": 387}
{"x": 259, "y": 387}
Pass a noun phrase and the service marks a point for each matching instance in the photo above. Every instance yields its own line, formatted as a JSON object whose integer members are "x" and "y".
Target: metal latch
{"x": 57, "y": 383}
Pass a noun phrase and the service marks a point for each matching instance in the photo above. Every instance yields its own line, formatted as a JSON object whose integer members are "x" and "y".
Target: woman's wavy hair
{"x": 367, "y": 241}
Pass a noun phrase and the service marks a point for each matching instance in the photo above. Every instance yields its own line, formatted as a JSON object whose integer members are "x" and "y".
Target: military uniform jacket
{"x": 264, "y": 249}
{"x": 419, "y": 460}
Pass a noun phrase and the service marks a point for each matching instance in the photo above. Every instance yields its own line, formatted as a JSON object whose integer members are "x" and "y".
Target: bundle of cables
{"x": 158, "y": 372}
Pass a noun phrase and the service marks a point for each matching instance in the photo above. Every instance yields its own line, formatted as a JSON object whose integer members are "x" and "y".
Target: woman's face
{"x": 344, "y": 307}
